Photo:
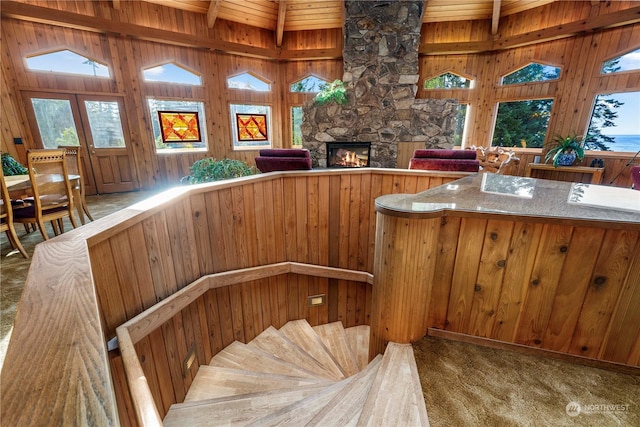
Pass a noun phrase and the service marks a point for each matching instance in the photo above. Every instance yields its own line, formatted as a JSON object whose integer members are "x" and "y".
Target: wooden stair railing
{"x": 134, "y": 330}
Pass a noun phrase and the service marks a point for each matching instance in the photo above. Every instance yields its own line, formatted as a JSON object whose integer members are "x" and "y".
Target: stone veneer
{"x": 381, "y": 40}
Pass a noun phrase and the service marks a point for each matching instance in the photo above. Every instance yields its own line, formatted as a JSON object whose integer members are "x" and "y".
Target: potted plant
{"x": 335, "y": 91}
{"x": 210, "y": 169}
{"x": 565, "y": 151}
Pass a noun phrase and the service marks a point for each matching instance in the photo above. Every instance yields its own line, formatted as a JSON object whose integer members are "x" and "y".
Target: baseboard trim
{"x": 520, "y": 348}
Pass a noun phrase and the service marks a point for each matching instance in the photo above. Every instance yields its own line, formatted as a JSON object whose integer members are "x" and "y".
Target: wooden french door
{"x": 93, "y": 122}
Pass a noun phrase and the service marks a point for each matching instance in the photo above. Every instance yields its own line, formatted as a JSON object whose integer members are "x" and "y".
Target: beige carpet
{"x": 468, "y": 385}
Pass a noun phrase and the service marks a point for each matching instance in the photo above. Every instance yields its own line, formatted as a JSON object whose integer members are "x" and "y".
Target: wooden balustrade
{"x": 87, "y": 282}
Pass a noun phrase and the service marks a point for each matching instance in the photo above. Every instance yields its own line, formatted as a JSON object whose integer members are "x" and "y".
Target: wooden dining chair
{"x": 6, "y": 218}
{"x": 52, "y": 193}
{"x": 74, "y": 167}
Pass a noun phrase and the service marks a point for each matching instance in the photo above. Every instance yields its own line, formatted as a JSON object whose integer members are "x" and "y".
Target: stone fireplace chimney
{"x": 381, "y": 41}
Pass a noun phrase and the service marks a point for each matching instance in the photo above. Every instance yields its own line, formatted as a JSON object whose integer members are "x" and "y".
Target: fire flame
{"x": 350, "y": 159}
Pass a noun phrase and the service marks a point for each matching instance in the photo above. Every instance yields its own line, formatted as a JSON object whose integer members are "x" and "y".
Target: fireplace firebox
{"x": 348, "y": 154}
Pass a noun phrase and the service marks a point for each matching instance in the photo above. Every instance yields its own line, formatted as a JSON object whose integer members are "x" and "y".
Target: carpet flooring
{"x": 463, "y": 384}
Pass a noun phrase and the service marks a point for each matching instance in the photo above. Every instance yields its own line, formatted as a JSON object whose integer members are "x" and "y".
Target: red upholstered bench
{"x": 445, "y": 160}
{"x": 283, "y": 159}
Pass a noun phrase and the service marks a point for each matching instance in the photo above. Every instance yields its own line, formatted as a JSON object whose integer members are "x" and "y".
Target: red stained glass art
{"x": 252, "y": 127}
{"x": 179, "y": 126}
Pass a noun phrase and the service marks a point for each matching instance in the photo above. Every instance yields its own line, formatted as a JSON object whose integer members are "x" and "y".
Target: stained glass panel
{"x": 179, "y": 126}
{"x": 252, "y": 127}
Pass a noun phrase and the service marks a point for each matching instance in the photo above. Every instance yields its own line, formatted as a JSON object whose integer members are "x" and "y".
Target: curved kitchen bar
{"x": 544, "y": 266}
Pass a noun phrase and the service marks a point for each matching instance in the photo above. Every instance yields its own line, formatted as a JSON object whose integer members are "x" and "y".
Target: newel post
{"x": 404, "y": 265}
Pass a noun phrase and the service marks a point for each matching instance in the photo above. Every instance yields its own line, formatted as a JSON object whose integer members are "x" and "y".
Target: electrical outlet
{"x": 17, "y": 141}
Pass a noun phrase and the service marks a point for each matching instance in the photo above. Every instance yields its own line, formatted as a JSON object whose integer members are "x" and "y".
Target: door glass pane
{"x": 55, "y": 122}
{"x": 104, "y": 121}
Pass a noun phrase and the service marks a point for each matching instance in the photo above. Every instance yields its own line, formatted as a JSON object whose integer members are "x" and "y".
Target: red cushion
{"x": 284, "y": 152}
{"x": 445, "y": 154}
{"x": 459, "y": 165}
{"x": 270, "y": 164}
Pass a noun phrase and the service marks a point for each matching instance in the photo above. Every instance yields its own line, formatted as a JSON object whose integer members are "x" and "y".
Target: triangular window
{"x": 171, "y": 73}
{"x": 448, "y": 81}
{"x": 67, "y": 62}
{"x": 534, "y": 72}
{"x": 310, "y": 84}
{"x": 627, "y": 62}
{"x": 248, "y": 81}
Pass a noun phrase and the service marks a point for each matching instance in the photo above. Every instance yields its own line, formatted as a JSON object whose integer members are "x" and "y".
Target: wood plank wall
{"x": 580, "y": 58}
{"x": 566, "y": 289}
{"x": 321, "y": 217}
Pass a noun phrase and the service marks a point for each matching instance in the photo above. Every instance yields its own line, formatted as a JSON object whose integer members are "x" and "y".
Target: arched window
{"x": 448, "y": 81}
{"x": 67, "y": 62}
{"x": 534, "y": 72}
{"x": 310, "y": 84}
{"x": 171, "y": 73}
{"x": 248, "y": 81}
{"x": 627, "y": 62}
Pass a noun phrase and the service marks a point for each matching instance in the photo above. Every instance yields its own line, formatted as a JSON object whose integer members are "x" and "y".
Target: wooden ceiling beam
{"x": 44, "y": 15}
{"x": 282, "y": 14}
{"x": 495, "y": 19}
{"x": 212, "y": 13}
{"x": 570, "y": 29}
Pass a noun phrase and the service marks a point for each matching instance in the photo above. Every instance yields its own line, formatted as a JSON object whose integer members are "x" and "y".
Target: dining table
{"x": 19, "y": 186}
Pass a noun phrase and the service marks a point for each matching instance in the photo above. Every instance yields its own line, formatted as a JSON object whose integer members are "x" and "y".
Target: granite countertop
{"x": 489, "y": 193}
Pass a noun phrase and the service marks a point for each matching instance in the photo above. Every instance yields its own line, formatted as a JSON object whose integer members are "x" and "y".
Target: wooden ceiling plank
{"x": 212, "y": 13}
{"x": 495, "y": 19}
{"x": 282, "y": 13}
{"x": 610, "y": 20}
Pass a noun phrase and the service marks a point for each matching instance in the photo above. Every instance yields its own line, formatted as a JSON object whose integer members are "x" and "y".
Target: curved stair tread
{"x": 334, "y": 337}
{"x": 395, "y": 398}
{"x": 277, "y": 344}
{"x": 215, "y": 381}
{"x": 345, "y": 408}
{"x": 240, "y": 356}
{"x": 301, "y": 333}
{"x": 358, "y": 337}
{"x": 237, "y": 410}
{"x": 299, "y": 413}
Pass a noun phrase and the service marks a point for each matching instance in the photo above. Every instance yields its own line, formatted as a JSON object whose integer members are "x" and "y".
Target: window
{"x": 248, "y": 81}
{"x": 55, "y": 122}
{"x": 627, "y": 62}
{"x": 460, "y": 125}
{"x": 310, "y": 84}
{"x": 68, "y": 62}
{"x": 177, "y": 131}
{"x": 105, "y": 124}
{"x": 614, "y": 124}
{"x": 522, "y": 123}
{"x": 448, "y": 81}
{"x": 296, "y": 122}
{"x": 171, "y": 73}
{"x": 533, "y": 72}
{"x": 250, "y": 126}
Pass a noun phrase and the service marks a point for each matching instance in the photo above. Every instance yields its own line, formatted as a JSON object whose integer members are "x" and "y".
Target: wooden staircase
{"x": 302, "y": 375}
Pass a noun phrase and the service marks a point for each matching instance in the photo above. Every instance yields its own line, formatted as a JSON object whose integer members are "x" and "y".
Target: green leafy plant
{"x": 334, "y": 92}
{"x": 210, "y": 169}
{"x": 565, "y": 145}
{"x": 11, "y": 166}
